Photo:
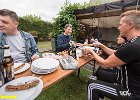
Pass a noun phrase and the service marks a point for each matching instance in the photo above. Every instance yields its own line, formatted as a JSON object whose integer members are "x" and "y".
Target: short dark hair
{"x": 10, "y": 13}
{"x": 68, "y": 25}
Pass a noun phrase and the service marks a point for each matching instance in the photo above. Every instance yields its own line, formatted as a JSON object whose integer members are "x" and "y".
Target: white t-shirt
{"x": 17, "y": 47}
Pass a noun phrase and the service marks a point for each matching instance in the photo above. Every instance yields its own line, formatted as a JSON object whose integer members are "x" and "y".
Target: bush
{"x": 66, "y": 16}
{"x": 35, "y": 25}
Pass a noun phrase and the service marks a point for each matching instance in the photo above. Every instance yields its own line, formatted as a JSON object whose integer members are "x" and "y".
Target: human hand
{"x": 88, "y": 51}
{"x": 97, "y": 44}
{"x": 79, "y": 44}
{"x": 34, "y": 57}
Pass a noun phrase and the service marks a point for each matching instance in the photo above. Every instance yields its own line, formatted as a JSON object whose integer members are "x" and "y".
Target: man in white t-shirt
{"x": 23, "y": 47}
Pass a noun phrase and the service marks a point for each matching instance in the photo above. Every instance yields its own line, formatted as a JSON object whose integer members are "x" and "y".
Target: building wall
{"x": 108, "y": 34}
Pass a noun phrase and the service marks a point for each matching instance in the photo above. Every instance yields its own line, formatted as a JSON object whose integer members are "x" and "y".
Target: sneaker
{"x": 92, "y": 77}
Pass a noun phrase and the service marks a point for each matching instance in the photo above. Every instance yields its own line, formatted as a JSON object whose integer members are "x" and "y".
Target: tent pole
{"x": 137, "y": 5}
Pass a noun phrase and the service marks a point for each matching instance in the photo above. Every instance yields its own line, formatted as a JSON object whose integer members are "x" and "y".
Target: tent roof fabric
{"x": 105, "y": 15}
{"x": 107, "y": 9}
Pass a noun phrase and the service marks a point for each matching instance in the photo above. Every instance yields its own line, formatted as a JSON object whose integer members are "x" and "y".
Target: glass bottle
{"x": 8, "y": 65}
{"x": 72, "y": 49}
{"x": 96, "y": 48}
{"x": 1, "y": 74}
{"x": 74, "y": 52}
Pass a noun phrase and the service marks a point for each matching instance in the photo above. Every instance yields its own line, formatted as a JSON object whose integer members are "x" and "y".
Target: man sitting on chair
{"x": 64, "y": 38}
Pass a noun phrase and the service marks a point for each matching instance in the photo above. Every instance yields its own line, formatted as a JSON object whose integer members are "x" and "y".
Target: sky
{"x": 46, "y": 9}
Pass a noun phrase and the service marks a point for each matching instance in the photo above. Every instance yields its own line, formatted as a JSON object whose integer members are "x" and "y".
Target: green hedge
{"x": 34, "y": 23}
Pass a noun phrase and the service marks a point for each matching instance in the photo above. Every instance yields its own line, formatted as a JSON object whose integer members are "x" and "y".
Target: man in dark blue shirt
{"x": 64, "y": 38}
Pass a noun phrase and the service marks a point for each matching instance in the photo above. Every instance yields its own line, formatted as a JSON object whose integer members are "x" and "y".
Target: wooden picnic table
{"x": 59, "y": 74}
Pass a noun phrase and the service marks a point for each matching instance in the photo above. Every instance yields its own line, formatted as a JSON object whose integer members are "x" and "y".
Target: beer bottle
{"x": 73, "y": 49}
{"x": 8, "y": 65}
{"x": 70, "y": 48}
{"x": 74, "y": 52}
{"x": 1, "y": 74}
{"x": 70, "y": 51}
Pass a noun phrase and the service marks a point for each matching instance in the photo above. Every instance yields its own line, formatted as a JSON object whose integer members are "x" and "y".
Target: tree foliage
{"x": 66, "y": 16}
{"x": 34, "y": 23}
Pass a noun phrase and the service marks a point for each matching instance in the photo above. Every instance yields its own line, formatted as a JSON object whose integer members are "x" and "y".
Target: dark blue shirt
{"x": 63, "y": 42}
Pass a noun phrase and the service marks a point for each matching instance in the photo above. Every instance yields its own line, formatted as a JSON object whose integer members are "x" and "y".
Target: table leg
{"x": 78, "y": 72}
{"x": 94, "y": 66}
{"x": 94, "y": 63}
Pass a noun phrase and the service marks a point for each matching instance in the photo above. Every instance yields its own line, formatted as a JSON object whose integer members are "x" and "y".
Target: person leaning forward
{"x": 128, "y": 54}
{"x": 22, "y": 44}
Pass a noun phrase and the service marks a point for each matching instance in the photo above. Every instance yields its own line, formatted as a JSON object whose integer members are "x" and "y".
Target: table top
{"x": 59, "y": 74}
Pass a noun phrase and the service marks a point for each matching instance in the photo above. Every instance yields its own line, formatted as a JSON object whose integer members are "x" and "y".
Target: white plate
{"x": 42, "y": 71}
{"x": 24, "y": 68}
{"x": 29, "y": 94}
{"x": 45, "y": 63}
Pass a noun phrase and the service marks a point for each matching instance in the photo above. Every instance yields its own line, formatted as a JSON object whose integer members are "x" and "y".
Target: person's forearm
{"x": 98, "y": 58}
{"x": 107, "y": 50}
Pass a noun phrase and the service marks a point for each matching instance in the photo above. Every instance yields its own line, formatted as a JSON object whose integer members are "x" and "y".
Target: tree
{"x": 66, "y": 16}
{"x": 34, "y": 23}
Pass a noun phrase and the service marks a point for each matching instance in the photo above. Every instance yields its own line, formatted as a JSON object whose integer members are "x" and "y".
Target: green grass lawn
{"x": 70, "y": 88}
{"x": 44, "y": 46}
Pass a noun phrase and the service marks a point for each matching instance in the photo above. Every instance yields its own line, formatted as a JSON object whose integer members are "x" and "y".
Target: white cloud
{"x": 46, "y": 9}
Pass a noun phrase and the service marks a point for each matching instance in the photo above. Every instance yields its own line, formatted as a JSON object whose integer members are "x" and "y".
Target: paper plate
{"x": 24, "y": 68}
{"x": 45, "y": 63}
{"x": 28, "y": 94}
